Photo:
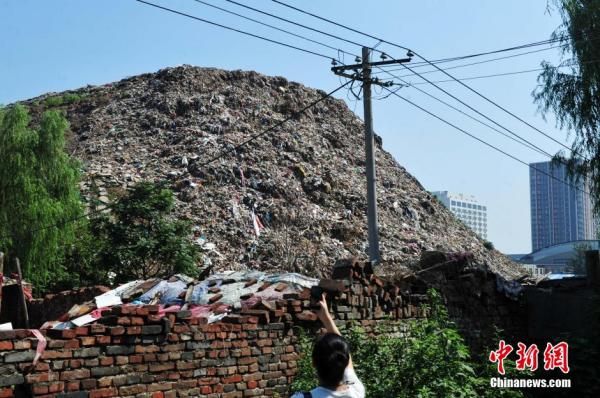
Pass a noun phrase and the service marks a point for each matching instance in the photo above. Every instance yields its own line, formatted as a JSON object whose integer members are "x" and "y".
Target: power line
{"x": 220, "y": 155}
{"x": 233, "y": 29}
{"x": 525, "y": 144}
{"x": 531, "y": 145}
{"x": 292, "y": 116}
{"x": 483, "y": 141}
{"x": 519, "y": 72}
{"x": 476, "y": 111}
{"x": 521, "y": 46}
{"x": 504, "y": 74}
{"x": 272, "y": 27}
{"x": 472, "y": 63}
{"x": 299, "y": 24}
{"x": 441, "y": 70}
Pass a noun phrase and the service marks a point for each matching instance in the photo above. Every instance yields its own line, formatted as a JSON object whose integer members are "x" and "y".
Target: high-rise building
{"x": 467, "y": 209}
{"x": 561, "y": 211}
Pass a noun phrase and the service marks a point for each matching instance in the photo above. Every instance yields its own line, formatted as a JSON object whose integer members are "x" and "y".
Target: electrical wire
{"x": 519, "y": 72}
{"x": 504, "y": 74}
{"x": 220, "y": 155}
{"x": 271, "y": 26}
{"x": 292, "y": 116}
{"x": 525, "y": 144}
{"x": 300, "y": 25}
{"x": 477, "y": 111}
{"x": 233, "y": 29}
{"x": 484, "y": 142}
{"x": 530, "y": 144}
{"x": 521, "y": 46}
{"x": 472, "y": 63}
{"x": 442, "y": 70}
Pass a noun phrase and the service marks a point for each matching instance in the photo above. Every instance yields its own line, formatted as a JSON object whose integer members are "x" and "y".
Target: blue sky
{"x": 65, "y": 44}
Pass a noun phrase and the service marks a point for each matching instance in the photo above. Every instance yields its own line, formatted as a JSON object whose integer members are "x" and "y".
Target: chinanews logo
{"x": 555, "y": 357}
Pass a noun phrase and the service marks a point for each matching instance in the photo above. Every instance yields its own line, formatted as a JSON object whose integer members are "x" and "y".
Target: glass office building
{"x": 467, "y": 209}
{"x": 560, "y": 209}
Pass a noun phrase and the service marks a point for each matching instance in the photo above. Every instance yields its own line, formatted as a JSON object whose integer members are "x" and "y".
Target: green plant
{"x": 39, "y": 195}
{"x": 572, "y": 95}
{"x": 431, "y": 361}
{"x": 140, "y": 239}
{"x": 65, "y": 99}
{"x": 488, "y": 245}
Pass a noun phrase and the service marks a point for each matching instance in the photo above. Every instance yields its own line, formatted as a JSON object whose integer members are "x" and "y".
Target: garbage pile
{"x": 290, "y": 200}
{"x": 210, "y": 299}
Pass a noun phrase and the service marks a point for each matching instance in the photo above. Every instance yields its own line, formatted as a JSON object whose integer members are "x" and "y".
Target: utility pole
{"x": 370, "y": 159}
{"x": 365, "y": 76}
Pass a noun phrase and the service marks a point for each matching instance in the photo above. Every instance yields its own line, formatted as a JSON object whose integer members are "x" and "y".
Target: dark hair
{"x": 331, "y": 355}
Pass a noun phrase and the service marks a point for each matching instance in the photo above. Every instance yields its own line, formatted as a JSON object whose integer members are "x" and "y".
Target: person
{"x": 333, "y": 363}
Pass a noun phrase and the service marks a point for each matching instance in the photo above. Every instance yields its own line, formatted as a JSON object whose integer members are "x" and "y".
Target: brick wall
{"x": 134, "y": 352}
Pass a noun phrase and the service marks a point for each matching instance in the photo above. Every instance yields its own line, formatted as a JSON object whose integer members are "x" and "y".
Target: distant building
{"x": 535, "y": 270}
{"x": 556, "y": 258}
{"x": 467, "y": 209}
{"x": 559, "y": 211}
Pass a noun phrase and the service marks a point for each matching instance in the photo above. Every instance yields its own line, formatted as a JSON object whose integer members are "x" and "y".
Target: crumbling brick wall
{"x": 132, "y": 351}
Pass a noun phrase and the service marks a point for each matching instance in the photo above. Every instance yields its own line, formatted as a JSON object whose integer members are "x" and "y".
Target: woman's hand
{"x": 323, "y": 311}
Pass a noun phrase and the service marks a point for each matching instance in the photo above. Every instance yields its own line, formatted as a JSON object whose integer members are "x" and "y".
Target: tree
{"x": 574, "y": 96}
{"x": 140, "y": 240}
{"x": 39, "y": 196}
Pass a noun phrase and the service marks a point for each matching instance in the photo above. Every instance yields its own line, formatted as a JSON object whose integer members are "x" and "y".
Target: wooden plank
{"x": 22, "y": 294}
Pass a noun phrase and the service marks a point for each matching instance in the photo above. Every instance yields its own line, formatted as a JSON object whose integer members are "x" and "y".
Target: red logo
{"x": 555, "y": 356}
{"x": 499, "y": 355}
{"x": 528, "y": 357}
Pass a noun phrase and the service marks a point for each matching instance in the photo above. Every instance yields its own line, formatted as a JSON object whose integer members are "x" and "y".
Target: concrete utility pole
{"x": 370, "y": 159}
{"x": 365, "y": 77}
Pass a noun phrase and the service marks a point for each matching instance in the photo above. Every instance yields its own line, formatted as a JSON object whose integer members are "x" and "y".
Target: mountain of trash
{"x": 292, "y": 200}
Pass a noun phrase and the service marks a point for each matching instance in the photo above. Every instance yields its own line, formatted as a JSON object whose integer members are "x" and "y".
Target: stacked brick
{"x": 138, "y": 354}
{"x": 368, "y": 297}
{"x": 139, "y": 351}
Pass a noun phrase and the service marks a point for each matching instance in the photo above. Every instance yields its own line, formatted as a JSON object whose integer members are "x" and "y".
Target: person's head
{"x": 330, "y": 356}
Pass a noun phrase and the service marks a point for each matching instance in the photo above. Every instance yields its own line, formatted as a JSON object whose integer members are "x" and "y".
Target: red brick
{"x": 6, "y": 345}
{"x": 87, "y": 340}
{"x": 142, "y": 311}
{"x": 82, "y": 331}
{"x": 22, "y": 344}
{"x": 103, "y": 340}
{"x": 117, "y": 330}
{"x": 97, "y": 328}
{"x": 39, "y": 389}
{"x": 132, "y": 330}
{"x": 39, "y": 377}
{"x": 75, "y": 374}
{"x": 74, "y": 343}
{"x": 74, "y": 386}
{"x": 232, "y": 379}
{"x": 103, "y": 393}
{"x": 6, "y": 393}
{"x": 133, "y": 359}
{"x": 57, "y": 386}
{"x": 121, "y": 360}
{"x": 106, "y": 361}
